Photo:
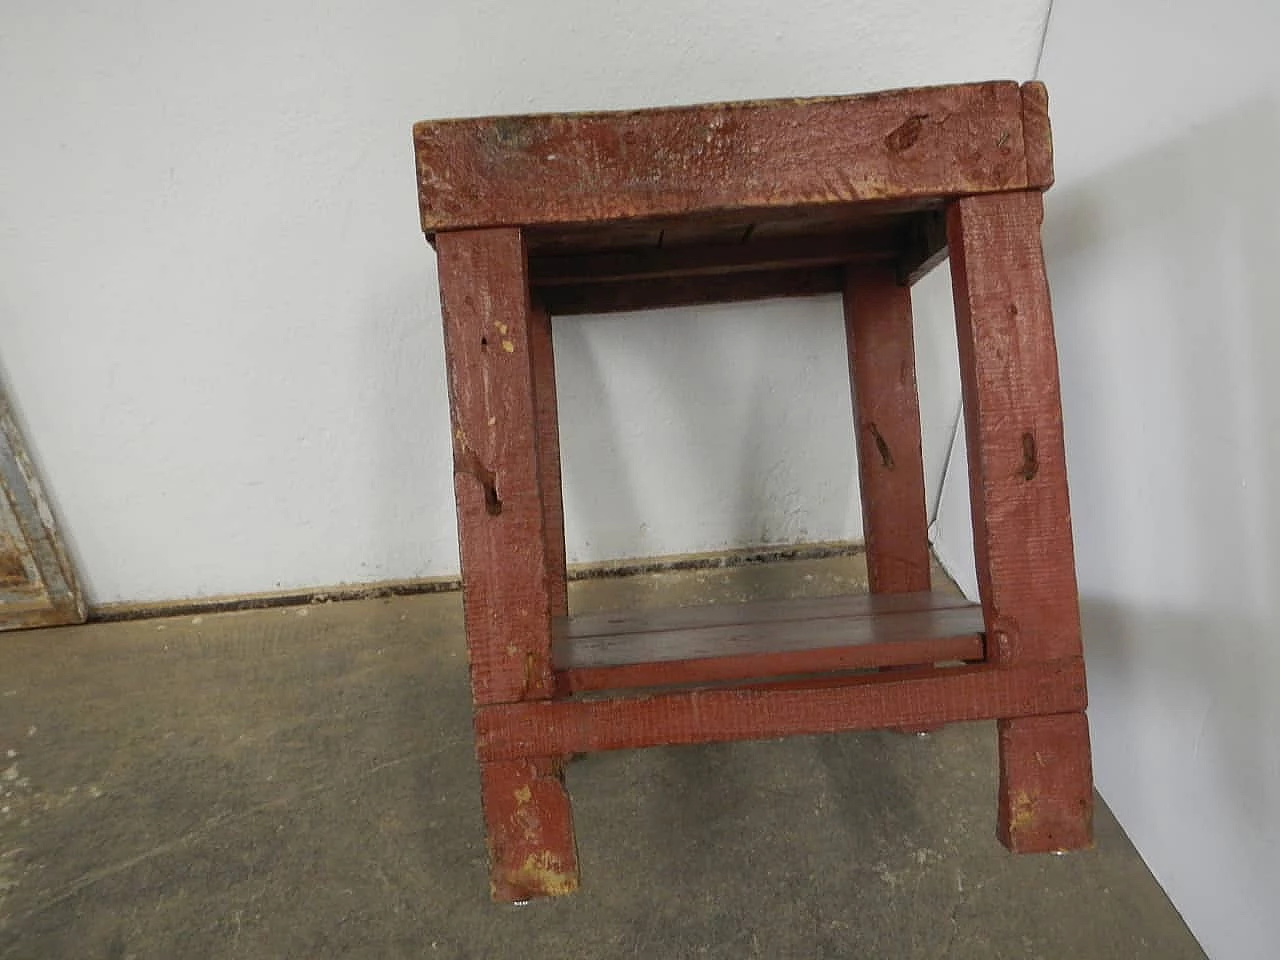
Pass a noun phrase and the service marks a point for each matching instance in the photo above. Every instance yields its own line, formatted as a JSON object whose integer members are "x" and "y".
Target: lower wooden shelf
{"x": 763, "y": 639}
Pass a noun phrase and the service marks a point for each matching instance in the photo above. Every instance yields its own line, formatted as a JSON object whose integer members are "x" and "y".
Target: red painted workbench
{"x": 541, "y": 216}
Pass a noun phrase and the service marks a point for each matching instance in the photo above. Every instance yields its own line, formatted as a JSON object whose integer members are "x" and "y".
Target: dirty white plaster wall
{"x": 218, "y": 317}
{"x": 1162, "y": 248}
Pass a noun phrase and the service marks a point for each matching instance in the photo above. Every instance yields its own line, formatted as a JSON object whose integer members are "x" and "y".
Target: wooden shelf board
{"x": 764, "y": 639}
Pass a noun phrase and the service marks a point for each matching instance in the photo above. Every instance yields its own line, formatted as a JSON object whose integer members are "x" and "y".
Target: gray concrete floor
{"x": 300, "y": 783}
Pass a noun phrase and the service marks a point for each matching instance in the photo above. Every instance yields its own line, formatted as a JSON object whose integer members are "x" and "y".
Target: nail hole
{"x": 492, "y": 505}
{"x": 906, "y": 133}
{"x": 1030, "y": 462}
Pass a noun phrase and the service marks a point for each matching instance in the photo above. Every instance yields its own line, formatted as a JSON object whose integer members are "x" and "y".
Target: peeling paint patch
{"x": 543, "y": 873}
{"x": 1022, "y": 816}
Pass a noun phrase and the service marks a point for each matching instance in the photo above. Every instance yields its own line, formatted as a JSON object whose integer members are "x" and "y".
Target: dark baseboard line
{"x": 714, "y": 560}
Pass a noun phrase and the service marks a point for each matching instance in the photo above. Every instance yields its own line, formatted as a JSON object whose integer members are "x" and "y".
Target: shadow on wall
{"x": 728, "y": 425}
{"x": 1166, "y": 279}
{"x": 692, "y": 430}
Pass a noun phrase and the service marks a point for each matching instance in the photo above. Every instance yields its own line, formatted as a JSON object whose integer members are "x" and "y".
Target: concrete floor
{"x": 299, "y": 782}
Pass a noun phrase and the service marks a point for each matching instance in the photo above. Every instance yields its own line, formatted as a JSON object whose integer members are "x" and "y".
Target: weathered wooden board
{"x": 578, "y": 168}
{"x": 985, "y": 692}
{"x": 38, "y": 585}
{"x": 1021, "y": 513}
{"x": 497, "y": 481}
{"x": 1013, "y": 425}
{"x": 850, "y": 606}
{"x": 886, "y": 415}
{"x": 741, "y": 643}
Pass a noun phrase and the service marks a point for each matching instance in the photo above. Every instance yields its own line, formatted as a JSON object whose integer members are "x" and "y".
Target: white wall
{"x": 1162, "y": 242}
{"x": 218, "y": 317}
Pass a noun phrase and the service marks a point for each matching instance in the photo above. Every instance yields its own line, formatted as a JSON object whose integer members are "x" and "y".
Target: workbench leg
{"x": 1021, "y": 513}
{"x": 506, "y": 571}
{"x": 529, "y": 829}
{"x": 886, "y": 414}
{"x": 544, "y": 393}
{"x": 886, "y": 420}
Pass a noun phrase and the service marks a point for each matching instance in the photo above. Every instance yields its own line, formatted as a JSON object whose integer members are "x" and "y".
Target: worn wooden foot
{"x": 529, "y": 827}
{"x": 1046, "y": 784}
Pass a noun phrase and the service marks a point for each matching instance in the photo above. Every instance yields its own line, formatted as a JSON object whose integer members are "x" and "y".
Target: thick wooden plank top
{"x": 751, "y": 156}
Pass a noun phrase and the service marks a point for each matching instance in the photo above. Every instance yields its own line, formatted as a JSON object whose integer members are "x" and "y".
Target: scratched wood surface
{"x": 1021, "y": 512}
{"x": 1013, "y": 419}
{"x": 886, "y": 414}
{"x": 1046, "y": 783}
{"x": 859, "y": 605}
{"x": 578, "y": 168}
{"x": 542, "y": 354}
{"x": 528, "y": 829}
{"x": 820, "y": 635}
{"x": 497, "y": 483}
{"x": 558, "y": 727}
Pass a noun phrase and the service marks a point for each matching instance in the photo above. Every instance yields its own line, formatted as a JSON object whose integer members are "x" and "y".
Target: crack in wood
{"x": 882, "y": 446}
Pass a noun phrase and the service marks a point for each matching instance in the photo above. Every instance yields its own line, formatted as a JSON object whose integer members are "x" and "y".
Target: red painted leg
{"x": 544, "y": 390}
{"x": 507, "y": 575}
{"x": 1021, "y": 513}
{"x": 886, "y": 414}
{"x": 529, "y": 827}
{"x": 1046, "y": 784}
{"x": 886, "y": 411}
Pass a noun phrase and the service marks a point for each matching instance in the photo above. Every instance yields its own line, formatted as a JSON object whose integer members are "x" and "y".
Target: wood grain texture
{"x": 1046, "y": 784}
{"x": 908, "y": 700}
{"x": 886, "y": 414}
{"x": 578, "y": 168}
{"x": 851, "y": 606}
{"x": 1036, "y": 135}
{"x": 528, "y": 829}
{"x": 737, "y": 645}
{"x": 1021, "y": 513}
{"x": 690, "y": 291}
{"x": 1013, "y": 418}
{"x": 542, "y": 353}
{"x": 497, "y": 483}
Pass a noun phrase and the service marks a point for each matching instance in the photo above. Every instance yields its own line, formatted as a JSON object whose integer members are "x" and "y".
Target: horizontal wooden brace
{"x": 913, "y": 700}
{"x": 630, "y": 295}
{"x": 711, "y": 259}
